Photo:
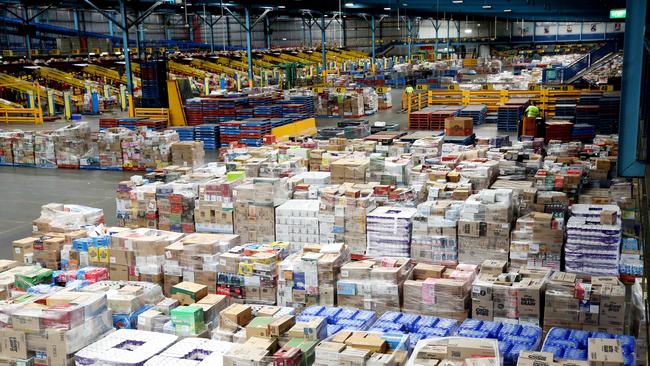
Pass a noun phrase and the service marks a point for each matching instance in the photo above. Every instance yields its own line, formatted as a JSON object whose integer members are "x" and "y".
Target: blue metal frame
{"x": 249, "y": 51}
{"x": 125, "y": 48}
{"x": 628, "y": 165}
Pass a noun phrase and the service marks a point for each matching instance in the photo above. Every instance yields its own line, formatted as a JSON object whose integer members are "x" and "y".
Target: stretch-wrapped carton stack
{"x": 71, "y": 143}
{"x": 23, "y": 148}
{"x": 434, "y": 238}
{"x": 147, "y": 149}
{"x": 456, "y": 350}
{"x": 349, "y": 170}
{"x": 509, "y": 296}
{"x": 296, "y": 222}
{"x": 598, "y": 305}
{"x": 187, "y": 153}
{"x": 64, "y": 218}
{"x": 109, "y": 146}
{"x": 136, "y": 205}
{"x": 310, "y": 276}
{"x": 373, "y": 284}
{"x": 50, "y": 329}
{"x": 44, "y": 156}
{"x": 593, "y": 240}
{"x": 343, "y": 215}
{"x": 255, "y": 203}
{"x": 390, "y": 170}
{"x": 434, "y": 290}
{"x": 111, "y": 350}
{"x": 148, "y": 247}
{"x": 484, "y": 226}
{"x": 537, "y": 241}
{"x": 195, "y": 258}
{"x": 6, "y": 147}
{"x": 215, "y": 207}
{"x": 363, "y": 349}
{"x": 249, "y": 273}
{"x": 389, "y": 231}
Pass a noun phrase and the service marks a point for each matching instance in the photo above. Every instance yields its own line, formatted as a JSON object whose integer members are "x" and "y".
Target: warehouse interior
{"x": 352, "y": 182}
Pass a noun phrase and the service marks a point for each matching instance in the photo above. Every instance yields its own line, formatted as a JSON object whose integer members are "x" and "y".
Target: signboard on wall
{"x": 617, "y": 13}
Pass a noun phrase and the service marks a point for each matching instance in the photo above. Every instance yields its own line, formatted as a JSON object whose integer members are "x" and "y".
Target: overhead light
{"x": 281, "y": 6}
{"x": 468, "y": 31}
{"x": 478, "y": 25}
{"x": 507, "y": 10}
{"x": 349, "y": 5}
{"x": 457, "y": 1}
{"x": 487, "y": 6}
{"x": 388, "y": 9}
{"x": 405, "y": 4}
{"x": 284, "y": 39}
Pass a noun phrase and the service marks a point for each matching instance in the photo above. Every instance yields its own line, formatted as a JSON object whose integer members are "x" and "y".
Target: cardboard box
{"x": 459, "y": 126}
{"x": 188, "y": 292}
{"x": 236, "y": 315}
{"x": 259, "y": 327}
{"x": 604, "y": 352}
{"x": 422, "y": 271}
{"x": 281, "y": 325}
{"x": 367, "y": 341}
{"x": 23, "y": 247}
{"x": 459, "y": 349}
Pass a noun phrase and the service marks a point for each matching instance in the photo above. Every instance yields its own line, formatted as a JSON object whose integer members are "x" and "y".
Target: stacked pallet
{"x": 438, "y": 117}
{"x": 307, "y": 101}
{"x": 565, "y": 108}
{"x": 588, "y": 114}
{"x": 295, "y": 111}
{"x": 185, "y": 133}
{"x": 209, "y": 134}
{"x": 510, "y": 113}
{"x": 129, "y": 123}
{"x": 152, "y": 124}
{"x": 558, "y": 130}
{"x": 108, "y": 123}
{"x": 229, "y": 132}
{"x": 267, "y": 111}
{"x": 477, "y": 112}
{"x": 194, "y": 111}
{"x": 609, "y": 114}
{"x": 252, "y": 131}
{"x": 583, "y": 132}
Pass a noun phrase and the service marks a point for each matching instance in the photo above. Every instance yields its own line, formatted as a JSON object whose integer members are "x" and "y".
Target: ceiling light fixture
{"x": 388, "y": 9}
{"x": 507, "y": 10}
{"x": 457, "y": 1}
{"x": 349, "y": 5}
{"x": 487, "y": 6}
{"x": 468, "y": 31}
{"x": 281, "y": 6}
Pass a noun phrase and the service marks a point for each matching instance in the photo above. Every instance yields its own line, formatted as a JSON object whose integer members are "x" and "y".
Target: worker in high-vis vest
{"x": 529, "y": 125}
{"x": 409, "y": 94}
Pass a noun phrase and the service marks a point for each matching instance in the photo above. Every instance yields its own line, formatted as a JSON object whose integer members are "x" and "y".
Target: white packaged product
{"x": 389, "y": 231}
{"x": 124, "y": 347}
{"x": 192, "y": 351}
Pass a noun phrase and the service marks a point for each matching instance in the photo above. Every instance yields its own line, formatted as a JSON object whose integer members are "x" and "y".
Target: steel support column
{"x": 374, "y": 45}
{"x": 322, "y": 35}
{"x": 409, "y": 29}
{"x": 345, "y": 31}
{"x": 628, "y": 165}
{"x": 267, "y": 32}
{"x": 141, "y": 32}
{"x": 125, "y": 49}
{"x": 249, "y": 46}
{"x": 228, "y": 41}
{"x": 111, "y": 32}
{"x": 28, "y": 38}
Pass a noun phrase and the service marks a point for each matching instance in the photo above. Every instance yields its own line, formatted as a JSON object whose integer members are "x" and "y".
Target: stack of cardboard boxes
{"x": 136, "y": 206}
{"x": 434, "y": 238}
{"x": 148, "y": 247}
{"x": 349, "y": 170}
{"x": 23, "y": 149}
{"x": 362, "y": 348}
{"x": 214, "y": 208}
{"x": 175, "y": 203}
{"x": 296, "y": 222}
{"x": 44, "y": 156}
{"x": 71, "y": 143}
{"x": 343, "y": 214}
{"x": 434, "y": 290}
{"x": 110, "y": 148}
{"x": 50, "y": 329}
{"x": 195, "y": 258}
{"x": 509, "y": 296}
{"x": 255, "y": 203}
{"x": 484, "y": 226}
{"x": 389, "y": 231}
{"x": 188, "y": 153}
{"x": 595, "y": 306}
{"x": 249, "y": 273}
{"x": 457, "y": 350}
{"x": 537, "y": 241}
{"x": 373, "y": 284}
{"x": 309, "y": 277}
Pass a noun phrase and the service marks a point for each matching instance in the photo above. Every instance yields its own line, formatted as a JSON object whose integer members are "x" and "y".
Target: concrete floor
{"x": 24, "y": 190}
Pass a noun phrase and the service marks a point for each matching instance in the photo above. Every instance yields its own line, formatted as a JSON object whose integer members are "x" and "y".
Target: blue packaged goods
{"x": 568, "y": 344}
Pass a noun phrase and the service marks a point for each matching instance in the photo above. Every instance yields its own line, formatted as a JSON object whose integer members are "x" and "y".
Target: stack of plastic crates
{"x": 209, "y": 134}
{"x": 129, "y": 123}
{"x": 307, "y": 101}
{"x": 245, "y": 113}
{"x": 558, "y": 130}
{"x": 252, "y": 131}
{"x": 153, "y": 124}
{"x": 583, "y": 132}
{"x": 295, "y": 111}
{"x": 108, "y": 123}
{"x": 508, "y": 117}
{"x": 565, "y": 108}
{"x": 229, "y": 132}
{"x": 420, "y": 120}
{"x": 210, "y": 107}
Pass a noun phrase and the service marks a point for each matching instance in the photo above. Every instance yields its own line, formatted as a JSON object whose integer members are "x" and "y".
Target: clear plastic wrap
{"x": 44, "y": 155}
{"x": 573, "y": 344}
{"x": 389, "y": 231}
{"x": 110, "y": 147}
{"x": 434, "y": 236}
{"x": 192, "y": 351}
{"x": 296, "y": 222}
{"x": 255, "y": 202}
{"x": 214, "y": 210}
{"x": 71, "y": 143}
{"x": 23, "y": 149}
{"x": 6, "y": 147}
{"x": 310, "y": 276}
{"x": 375, "y": 285}
{"x": 363, "y": 348}
{"x": 58, "y": 217}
